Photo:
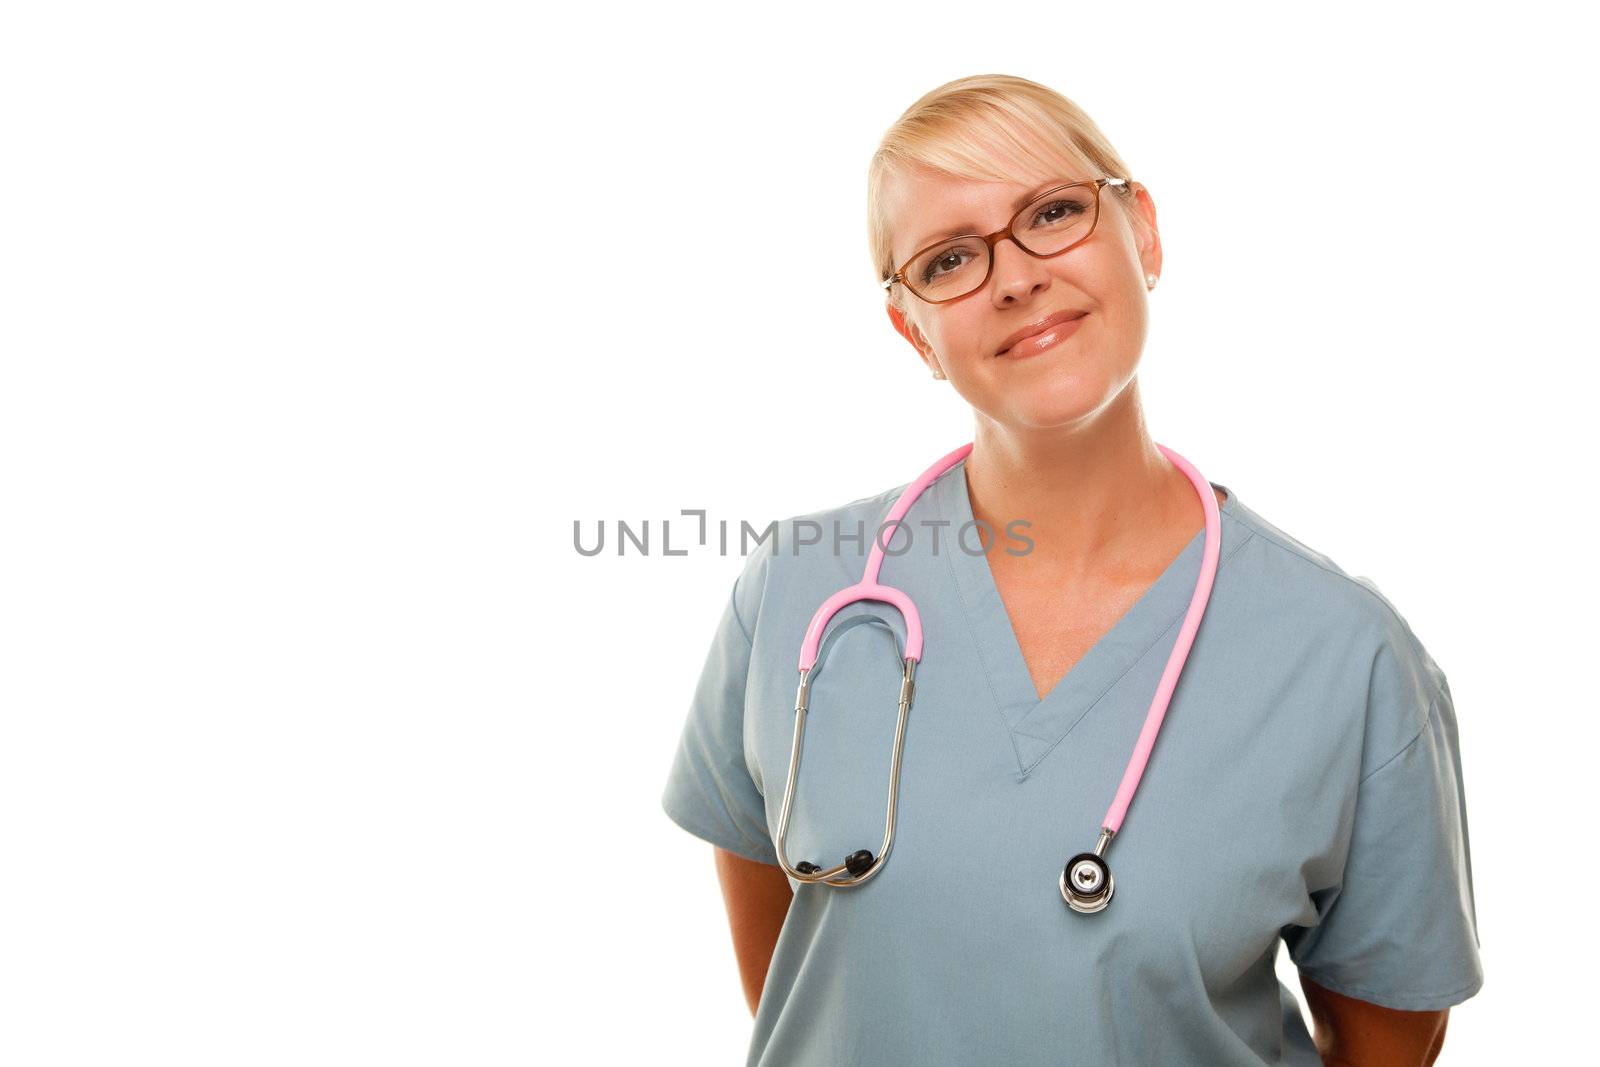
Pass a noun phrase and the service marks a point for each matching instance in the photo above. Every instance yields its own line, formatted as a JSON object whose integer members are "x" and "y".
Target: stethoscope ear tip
{"x": 858, "y": 863}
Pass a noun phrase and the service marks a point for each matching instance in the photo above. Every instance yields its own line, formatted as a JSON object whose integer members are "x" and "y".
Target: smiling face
{"x": 1070, "y": 370}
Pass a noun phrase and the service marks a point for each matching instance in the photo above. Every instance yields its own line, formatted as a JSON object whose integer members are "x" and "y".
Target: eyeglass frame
{"x": 993, "y": 239}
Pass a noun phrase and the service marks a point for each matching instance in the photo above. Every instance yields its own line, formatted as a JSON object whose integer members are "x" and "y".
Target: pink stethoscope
{"x": 1086, "y": 883}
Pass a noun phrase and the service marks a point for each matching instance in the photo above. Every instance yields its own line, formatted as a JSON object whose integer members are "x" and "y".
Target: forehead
{"x": 922, "y": 205}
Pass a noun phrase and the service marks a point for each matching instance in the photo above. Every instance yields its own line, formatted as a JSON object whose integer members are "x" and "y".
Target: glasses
{"x": 1053, "y": 222}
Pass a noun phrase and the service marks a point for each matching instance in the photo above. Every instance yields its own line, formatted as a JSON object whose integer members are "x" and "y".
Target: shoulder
{"x": 1347, "y": 616}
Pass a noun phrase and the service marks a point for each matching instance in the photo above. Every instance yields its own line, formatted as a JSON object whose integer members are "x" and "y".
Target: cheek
{"x": 962, "y": 330}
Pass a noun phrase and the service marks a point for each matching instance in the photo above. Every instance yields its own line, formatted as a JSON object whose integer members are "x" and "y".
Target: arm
{"x": 757, "y": 896}
{"x": 1355, "y": 1033}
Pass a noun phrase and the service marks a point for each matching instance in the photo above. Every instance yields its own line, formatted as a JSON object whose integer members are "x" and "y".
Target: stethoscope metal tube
{"x": 1086, "y": 882}
{"x": 861, "y": 864}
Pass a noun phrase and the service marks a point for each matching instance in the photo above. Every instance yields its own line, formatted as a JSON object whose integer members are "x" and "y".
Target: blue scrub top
{"x": 1306, "y": 785}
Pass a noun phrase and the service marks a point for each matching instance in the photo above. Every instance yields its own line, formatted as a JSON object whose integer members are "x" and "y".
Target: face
{"x": 1028, "y": 387}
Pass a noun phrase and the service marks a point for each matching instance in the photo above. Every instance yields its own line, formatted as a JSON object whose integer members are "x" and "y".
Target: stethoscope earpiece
{"x": 857, "y": 863}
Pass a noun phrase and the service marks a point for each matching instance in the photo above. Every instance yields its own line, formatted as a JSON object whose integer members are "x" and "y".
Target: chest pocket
{"x": 842, "y": 793}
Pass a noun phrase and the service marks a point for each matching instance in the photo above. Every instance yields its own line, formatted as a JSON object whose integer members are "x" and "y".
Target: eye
{"x": 1058, "y": 212}
{"x": 944, "y": 261}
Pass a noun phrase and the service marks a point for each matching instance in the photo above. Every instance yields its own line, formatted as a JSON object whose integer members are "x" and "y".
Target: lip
{"x": 1038, "y": 336}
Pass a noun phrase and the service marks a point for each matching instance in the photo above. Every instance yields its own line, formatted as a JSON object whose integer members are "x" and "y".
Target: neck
{"x": 1099, "y": 496}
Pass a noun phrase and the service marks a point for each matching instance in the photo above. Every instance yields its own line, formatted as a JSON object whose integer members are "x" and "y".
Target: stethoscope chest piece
{"x": 1086, "y": 883}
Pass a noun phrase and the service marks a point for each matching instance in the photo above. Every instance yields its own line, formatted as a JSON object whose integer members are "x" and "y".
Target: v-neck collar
{"x": 1038, "y": 725}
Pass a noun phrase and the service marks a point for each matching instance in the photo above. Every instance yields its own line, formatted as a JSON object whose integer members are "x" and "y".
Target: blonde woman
{"x": 1305, "y": 784}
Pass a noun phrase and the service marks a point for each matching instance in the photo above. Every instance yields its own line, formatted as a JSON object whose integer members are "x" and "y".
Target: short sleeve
{"x": 710, "y": 792}
{"x": 1400, "y": 928}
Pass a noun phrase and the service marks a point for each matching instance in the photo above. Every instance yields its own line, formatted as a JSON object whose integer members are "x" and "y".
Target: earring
{"x": 938, "y": 374}
{"x": 1150, "y": 281}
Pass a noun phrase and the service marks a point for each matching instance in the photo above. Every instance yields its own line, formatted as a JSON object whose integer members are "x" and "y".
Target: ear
{"x": 917, "y": 341}
{"x": 898, "y": 320}
{"x": 1146, "y": 234}
{"x": 913, "y": 335}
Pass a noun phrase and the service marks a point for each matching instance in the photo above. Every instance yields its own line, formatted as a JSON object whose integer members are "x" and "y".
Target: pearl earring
{"x": 938, "y": 374}
{"x": 1150, "y": 281}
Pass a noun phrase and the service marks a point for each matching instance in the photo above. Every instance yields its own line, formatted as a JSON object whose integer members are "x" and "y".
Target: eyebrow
{"x": 1017, "y": 205}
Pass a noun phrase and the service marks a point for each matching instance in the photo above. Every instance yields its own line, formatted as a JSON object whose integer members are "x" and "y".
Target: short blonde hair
{"x": 988, "y": 127}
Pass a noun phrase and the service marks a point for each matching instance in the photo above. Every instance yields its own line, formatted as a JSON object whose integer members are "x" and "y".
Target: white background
{"x": 322, "y": 323}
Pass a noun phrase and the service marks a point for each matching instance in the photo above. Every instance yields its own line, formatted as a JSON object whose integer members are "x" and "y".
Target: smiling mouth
{"x": 1043, "y": 340}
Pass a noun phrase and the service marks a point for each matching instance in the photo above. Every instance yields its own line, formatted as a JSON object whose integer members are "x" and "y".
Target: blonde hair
{"x": 988, "y": 127}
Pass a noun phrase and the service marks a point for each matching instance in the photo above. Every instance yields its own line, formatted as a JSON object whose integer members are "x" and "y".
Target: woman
{"x": 1305, "y": 784}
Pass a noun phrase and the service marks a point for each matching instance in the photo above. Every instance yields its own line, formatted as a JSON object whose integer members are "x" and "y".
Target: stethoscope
{"x": 1086, "y": 883}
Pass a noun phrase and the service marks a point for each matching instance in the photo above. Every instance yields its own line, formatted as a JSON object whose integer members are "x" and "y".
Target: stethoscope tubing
{"x": 1086, "y": 883}
{"x": 1180, "y": 648}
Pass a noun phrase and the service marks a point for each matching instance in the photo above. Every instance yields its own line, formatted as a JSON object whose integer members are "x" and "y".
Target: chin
{"x": 1058, "y": 402}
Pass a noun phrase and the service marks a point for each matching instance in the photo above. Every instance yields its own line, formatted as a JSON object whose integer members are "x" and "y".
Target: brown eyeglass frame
{"x": 994, "y": 238}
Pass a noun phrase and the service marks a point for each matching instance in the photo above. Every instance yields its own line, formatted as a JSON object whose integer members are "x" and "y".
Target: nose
{"x": 1017, "y": 275}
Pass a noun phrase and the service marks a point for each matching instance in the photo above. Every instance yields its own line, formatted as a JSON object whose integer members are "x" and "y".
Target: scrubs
{"x": 1306, "y": 785}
